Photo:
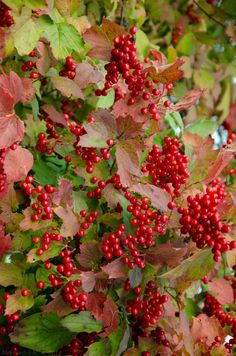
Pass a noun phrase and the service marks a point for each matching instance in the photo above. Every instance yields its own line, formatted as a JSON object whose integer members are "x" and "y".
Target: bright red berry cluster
{"x": 7, "y": 326}
{"x": 192, "y": 16}
{"x": 201, "y": 220}
{"x": 167, "y": 167}
{"x": 70, "y": 69}
{"x": 176, "y": 33}
{"x": 147, "y": 308}
{"x": 6, "y": 19}
{"x": 44, "y": 242}
{"x": 73, "y": 296}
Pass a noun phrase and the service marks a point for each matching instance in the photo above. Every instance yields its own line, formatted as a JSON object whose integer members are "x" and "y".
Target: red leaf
{"x": 101, "y": 38}
{"x": 5, "y": 241}
{"x": 188, "y": 100}
{"x": 206, "y": 328}
{"x": 121, "y": 108}
{"x": 127, "y": 156}
{"x": 86, "y": 74}
{"x": 67, "y": 87}
{"x": 166, "y": 254}
{"x": 111, "y": 196}
{"x": 158, "y": 197}
{"x": 222, "y": 290}
{"x": 57, "y": 305}
{"x": 88, "y": 281}
{"x": 44, "y": 61}
{"x": 222, "y": 161}
{"x": 95, "y": 304}
{"x": 17, "y": 164}
{"x": 127, "y": 127}
{"x": 21, "y": 89}
{"x": 28, "y": 224}
{"x": 7, "y": 102}
{"x": 54, "y": 115}
{"x": 167, "y": 74}
{"x": 11, "y": 129}
{"x": 89, "y": 255}
{"x": 63, "y": 194}
{"x": 70, "y": 223}
{"x": 98, "y": 132}
{"x": 115, "y": 269}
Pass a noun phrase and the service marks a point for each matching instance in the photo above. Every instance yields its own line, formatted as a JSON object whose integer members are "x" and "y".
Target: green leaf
{"x": 104, "y": 102}
{"x": 203, "y": 78}
{"x": 193, "y": 268}
{"x": 32, "y": 4}
{"x": 142, "y": 43}
{"x": 10, "y": 274}
{"x": 186, "y": 44}
{"x": 82, "y": 322}
{"x": 79, "y": 201}
{"x": 191, "y": 308}
{"x": 48, "y": 170}
{"x": 102, "y": 347}
{"x": 63, "y": 39}
{"x": 119, "y": 339}
{"x": 41, "y": 332}
{"x": 202, "y": 127}
{"x": 135, "y": 276}
{"x": 175, "y": 122}
{"x": 17, "y": 302}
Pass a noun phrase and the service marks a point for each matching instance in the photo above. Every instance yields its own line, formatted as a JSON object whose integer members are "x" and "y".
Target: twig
{"x": 122, "y": 12}
{"x": 208, "y": 15}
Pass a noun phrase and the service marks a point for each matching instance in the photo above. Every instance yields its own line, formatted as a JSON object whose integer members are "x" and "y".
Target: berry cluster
{"x": 79, "y": 346}
{"x": 7, "y": 326}
{"x": 6, "y": 19}
{"x": 112, "y": 243}
{"x": 213, "y": 307}
{"x": 47, "y": 141}
{"x": 73, "y": 296}
{"x": 167, "y": 167}
{"x": 201, "y": 220}
{"x": 190, "y": 13}
{"x": 45, "y": 241}
{"x": 41, "y": 207}
{"x": 176, "y": 33}
{"x": 69, "y": 70}
{"x": 147, "y": 308}
{"x": 125, "y": 64}
{"x": 89, "y": 219}
{"x": 29, "y": 65}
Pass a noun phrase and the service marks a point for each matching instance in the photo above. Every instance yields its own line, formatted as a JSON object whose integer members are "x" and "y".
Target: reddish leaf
{"x": 166, "y": 254}
{"x": 28, "y": 224}
{"x": 86, "y": 74}
{"x": 127, "y": 157}
{"x": 67, "y": 87}
{"x": 188, "y": 100}
{"x": 98, "y": 132}
{"x": 6, "y": 103}
{"x": 70, "y": 224}
{"x": 63, "y": 194}
{"x": 21, "y": 89}
{"x": 121, "y": 108}
{"x": 206, "y": 328}
{"x": 54, "y": 115}
{"x": 5, "y": 241}
{"x": 127, "y": 127}
{"x": 167, "y": 74}
{"x": 88, "y": 281}
{"x": 158, "y": 197}
{"x": 222, "y": 161}
{"x": 111, "y": 196}
{"x": 101, "y": 38}
{"x": 115, "y": 269}
{"x": 89, "y": 255}
{"x": 95, "y": 304}
{"x": 11, "y": 129}
{"x": 17, "y": 164}
{"x": 57, "y": 305}
{"x": 222, "y": 290}
{"x": 44, "y": 61}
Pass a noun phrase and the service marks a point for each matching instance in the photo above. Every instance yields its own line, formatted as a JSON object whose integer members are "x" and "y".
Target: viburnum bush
{"x": 117, "y": 216}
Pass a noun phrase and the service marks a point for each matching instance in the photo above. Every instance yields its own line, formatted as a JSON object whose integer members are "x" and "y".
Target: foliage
{"x": 117, "y": 177}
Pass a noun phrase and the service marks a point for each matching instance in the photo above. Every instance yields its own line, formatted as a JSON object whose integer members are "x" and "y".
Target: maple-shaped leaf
{"x": 158, "y": 197}
{"x": 187, "y": 101}
{"x": 104, "y": 309}
{"x": 99, "y": 131}
{"x": 57, "y": 305}
{"x": 45, "y": 59}
{"x": 17, "y": 164}
{"x": 217, "y": 166}
{"x": 86, "y": 74}
{"x": 166, "y": 74}
{"x": 222, "y": 290}
{"x": 115, "y": 269}
{"x": 123, "y": 109}
{"x": 70, "y": 223}
{"x": 127, "y": 127}
{"x": 169, "y": 254}
{"x": 111, "y": 195}
{"x": 5, "y": 241}
{"x": 54, "y": 115}
{"x": 88, "y": 281}
{"x": 11, "y": 128}
{"x": 17, "y": 302}
{"x": 67, "y": 87}
{"x": 63, "y": 195}
{"x": 89, "y": 255}
{"x": 100, "y": 38}
{"x": 128, "y": 160}
{"x": 207, "y": 328}
{"x": 21, "y": 89}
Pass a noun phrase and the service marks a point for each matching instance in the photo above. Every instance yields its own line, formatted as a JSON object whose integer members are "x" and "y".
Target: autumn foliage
{"x": 117, "y": 178}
